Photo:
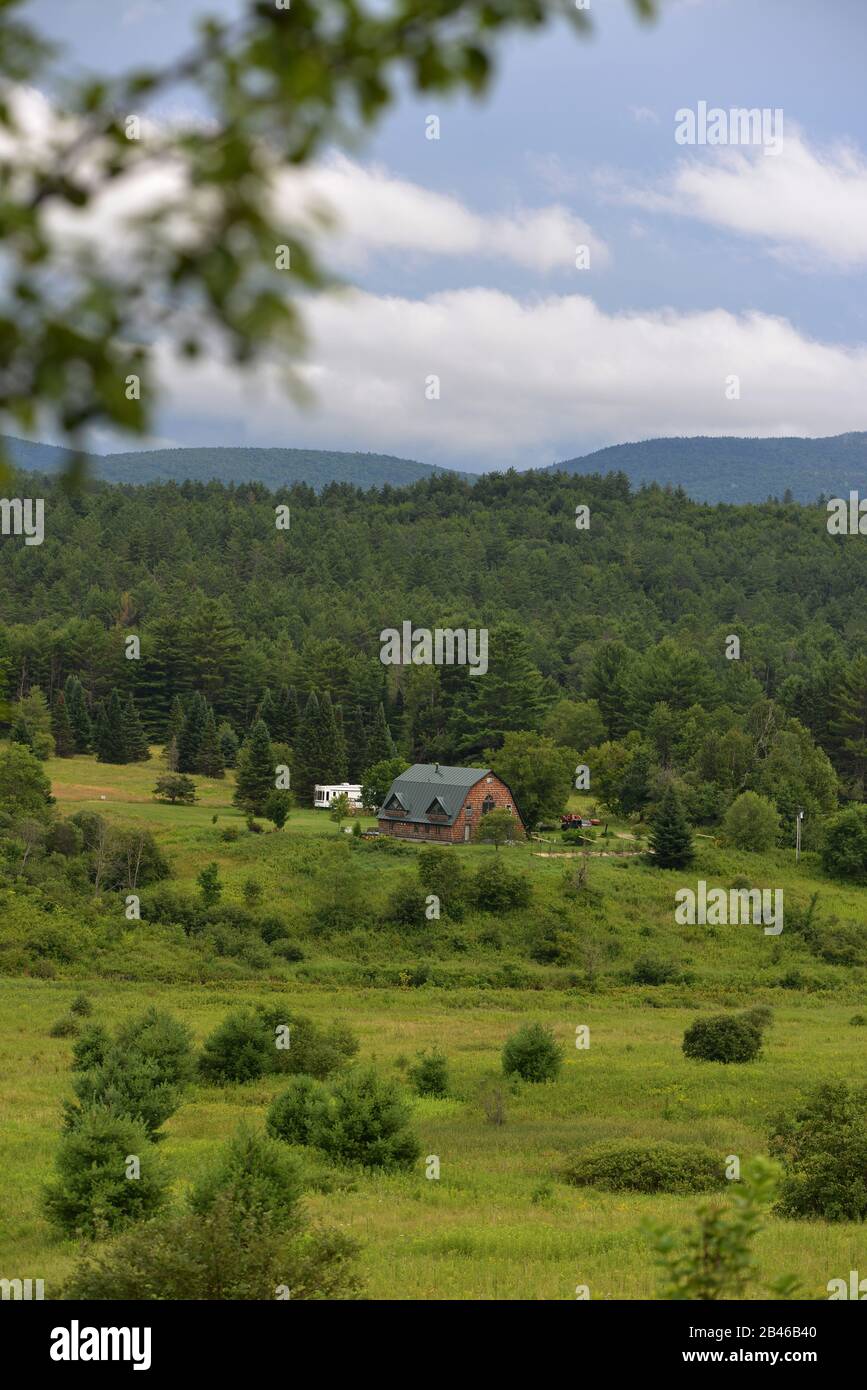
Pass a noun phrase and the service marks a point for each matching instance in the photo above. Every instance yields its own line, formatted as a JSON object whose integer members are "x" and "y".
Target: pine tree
{"x": 333, "y": 748}
{"x": 134, "y": 737}
{"x": 849, "y": 726}
{"x": 267, "y": 712}
{"x": 670, "y": 835}
{"x": 210, "y": 761}
{"x": 255, "y": 777}
{"x": 508, "y": 698}
{"x": 109, "y": 738}
{"x": 175, "y": 722}
{"x": 356, "y": 743}
{"x": 308, "y": 753}
{"x": 191, "y": 735}
{"x": 380, "y": 744}
{"x": 61, "y": 727}
{"x": 79, "y": 717}
{"x": 287, "y": 715}
{"x": 342, "y": 750}
{"x": 228, "y": 743}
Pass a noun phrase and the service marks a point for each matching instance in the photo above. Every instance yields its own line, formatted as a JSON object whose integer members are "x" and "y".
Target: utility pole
{"x": 798, "y": 818}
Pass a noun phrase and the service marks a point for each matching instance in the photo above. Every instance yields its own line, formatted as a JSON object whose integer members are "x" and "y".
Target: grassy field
{"x": 499, "y": 1223}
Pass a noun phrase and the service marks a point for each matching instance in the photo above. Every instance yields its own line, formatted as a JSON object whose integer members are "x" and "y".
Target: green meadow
{"x": 499, "y": 1222}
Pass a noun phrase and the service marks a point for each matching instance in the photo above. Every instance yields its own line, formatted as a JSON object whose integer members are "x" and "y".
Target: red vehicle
{"x": 573, "y": 821}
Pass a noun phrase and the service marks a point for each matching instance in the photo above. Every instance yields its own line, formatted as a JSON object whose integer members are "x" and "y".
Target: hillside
{"x": 731, "y": 469}
{"x": 273, "y": 467}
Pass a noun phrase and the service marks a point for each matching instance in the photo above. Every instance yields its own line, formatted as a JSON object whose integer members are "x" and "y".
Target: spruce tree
{"x": 228, "y": 743}
{"x": 255, "y": 777}
{"x": 79, "y": 718}
{"x": 134, "y": 737}
{"x": 307, "y": 760}
{"x": 342, "y": 750}
{"x": 333, "y": 768}
{"x": 175, "y": 722}
{"x": 210, "y": 761}
{"x": 508, "y": 698}
{"x": 288, "y": 716}
{"x": 61, "y": 728}
{"x": 356, "y": 743}
{"x": 191, "y": 735}
{"x": 670, "y": 835}
{"x": 267, "y": 712}
{"x": 109, "y": 739}
{"x": 380, "y": 744}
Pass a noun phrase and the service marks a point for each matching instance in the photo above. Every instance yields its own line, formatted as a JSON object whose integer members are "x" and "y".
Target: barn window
{"x": 488, "y": 805}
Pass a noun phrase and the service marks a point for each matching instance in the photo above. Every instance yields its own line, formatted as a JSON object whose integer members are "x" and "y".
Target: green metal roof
{"x": 417, "y": 787}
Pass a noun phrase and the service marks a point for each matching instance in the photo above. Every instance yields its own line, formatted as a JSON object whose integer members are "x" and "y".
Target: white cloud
{"x": 807, "y": 205}
{"x": 520, "y": 381}
{"x": 379, "y": 213}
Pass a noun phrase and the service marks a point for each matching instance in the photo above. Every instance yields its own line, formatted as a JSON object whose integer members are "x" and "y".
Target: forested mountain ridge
{"x": 274, "y": 467}
{"x": 731, "y": 469}
{"x": 708, "y": 469}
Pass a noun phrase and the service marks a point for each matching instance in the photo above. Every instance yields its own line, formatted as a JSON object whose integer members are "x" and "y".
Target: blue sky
{"x": 706, "y": 264}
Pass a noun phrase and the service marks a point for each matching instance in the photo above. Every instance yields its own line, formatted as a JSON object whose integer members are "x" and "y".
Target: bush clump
{"x": 240, "y": 1235}
{"x": 362, "y": 1118}
{"x": 723, "y": 1038}
{"x": 823, "y": 1148}
{"x": 636, "y": 1165}
{"x": 250, "y": 1043}
{"x": 533, "y": 1053}
{"x": 93, "y": 1193}
{"x": 430, "y": 1074}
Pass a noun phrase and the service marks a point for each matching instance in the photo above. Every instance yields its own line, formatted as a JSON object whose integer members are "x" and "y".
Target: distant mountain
{"x": 273, "y": 467}
{"x": 709, "y": 469}
{"x": 731, "y": 469}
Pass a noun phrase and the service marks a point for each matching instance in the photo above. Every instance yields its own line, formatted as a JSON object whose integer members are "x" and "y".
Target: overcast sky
{"x": 706, "y": 262}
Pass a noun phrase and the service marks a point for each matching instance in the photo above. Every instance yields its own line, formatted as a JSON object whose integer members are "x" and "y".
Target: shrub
{"x": 124, "y": 1085}
{"x": 161, "y": 1039}
{"x": 751, "y": 822}
{"x": 91, "y": 1048}
{"x": 253, "y": 892}
{"x": 533, "y": 1053}
{"x": 406, "y": 906}
{"x": 175, "y": 788}
{"x": 723, "y": 1038}
{"x": 844, "y": 847}
{"x": 858, "y": 1021}
{"x": 497, "y": 889}
{"x": 639, "y": 1166}
{"x": 368, "y": 1124}
{"x": 237, "y": 1050}
{"x": 648, "y": 970}
{"x": 823, "y": 1148}
{"x": 92, "y": 1193}
{"x": 65, "y": 1027}
{"x": 81, "y": 1006}
{"x": 288, "y": 950}
{"x": 230, "y": 834}
{"x": 241, "y": 1235}
{"x": 259, "y": 1177}
{"x": 440, "y": 871}
{"x": 430, "y": 1075}
{"x": 300, "y": 1114}
{"x": 216, "y": 1257}
{"x": 245, "y": 1046}
{"x": 272, "y": 929}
